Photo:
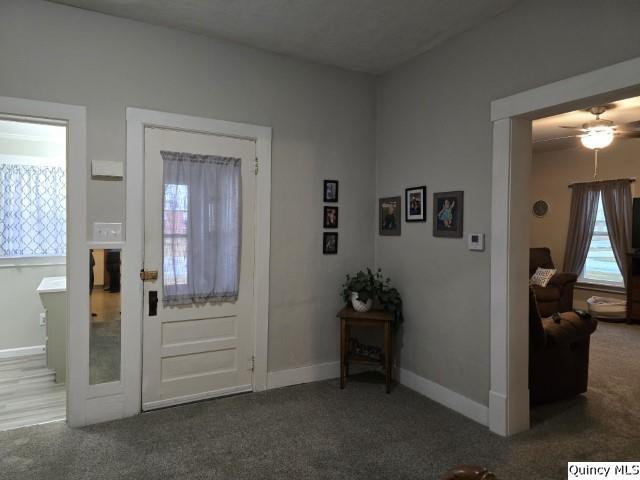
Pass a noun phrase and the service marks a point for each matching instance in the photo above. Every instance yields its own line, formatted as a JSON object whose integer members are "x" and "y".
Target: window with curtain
{"x": 600, "y": 266}
{"x": 201, "y": 228}
{"x": 32, "y": 190}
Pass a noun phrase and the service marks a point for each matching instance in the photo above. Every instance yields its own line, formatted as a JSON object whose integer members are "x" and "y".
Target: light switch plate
{"x": 107, "y": 232}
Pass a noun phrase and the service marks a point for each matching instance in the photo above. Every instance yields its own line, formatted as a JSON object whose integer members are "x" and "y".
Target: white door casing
{"x": 74, "y": 117}
{"x": 191, "y": 352}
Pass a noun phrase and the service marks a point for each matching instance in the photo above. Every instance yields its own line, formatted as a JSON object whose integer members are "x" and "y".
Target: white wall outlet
{"x": 476, "y": 241}
{"x": 43, "y": 319}
{"x": 107, "y": 232}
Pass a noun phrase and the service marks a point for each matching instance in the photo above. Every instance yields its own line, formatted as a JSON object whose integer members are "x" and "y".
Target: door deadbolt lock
{"x": 148, "y": 275}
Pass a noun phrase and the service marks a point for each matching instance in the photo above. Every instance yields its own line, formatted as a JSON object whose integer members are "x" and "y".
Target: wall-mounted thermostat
{"x": 476, "y": 241}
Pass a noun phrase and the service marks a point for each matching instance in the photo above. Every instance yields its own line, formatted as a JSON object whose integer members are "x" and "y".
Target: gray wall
{"x": 433, "y": 128}
{"x": 323, "y": 123}
{"x": 21, "y": 305}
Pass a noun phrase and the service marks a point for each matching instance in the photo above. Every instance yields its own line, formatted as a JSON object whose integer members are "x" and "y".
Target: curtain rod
{"x": 630, "y": 180}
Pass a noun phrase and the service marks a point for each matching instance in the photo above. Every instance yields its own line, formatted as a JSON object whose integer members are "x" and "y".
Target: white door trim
{"x": 511, "y": 117}
{"x": 77, "y": 250}
{"x": 137, "y": 120}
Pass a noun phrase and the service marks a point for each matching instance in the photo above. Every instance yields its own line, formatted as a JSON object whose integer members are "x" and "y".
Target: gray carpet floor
{"x": 317, "y": 431}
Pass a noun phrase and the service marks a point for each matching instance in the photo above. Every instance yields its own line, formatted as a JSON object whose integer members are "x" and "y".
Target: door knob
{"x": 148, "y": 275}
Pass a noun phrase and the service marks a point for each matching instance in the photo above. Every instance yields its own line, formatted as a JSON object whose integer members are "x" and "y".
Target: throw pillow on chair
{"x": 543, "y": 276}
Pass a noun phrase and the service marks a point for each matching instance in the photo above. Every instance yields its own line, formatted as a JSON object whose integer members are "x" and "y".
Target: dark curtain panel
{"x": 582, "y": 220}
{"x": 617, "y": 205}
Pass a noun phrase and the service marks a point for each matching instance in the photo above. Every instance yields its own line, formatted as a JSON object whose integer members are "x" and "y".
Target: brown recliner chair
{"x": 558, "y": 353}
{"x": 557, "y": 296}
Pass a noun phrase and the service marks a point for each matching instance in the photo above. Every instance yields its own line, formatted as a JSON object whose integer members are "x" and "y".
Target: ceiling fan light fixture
{"x": 597, "y": 137}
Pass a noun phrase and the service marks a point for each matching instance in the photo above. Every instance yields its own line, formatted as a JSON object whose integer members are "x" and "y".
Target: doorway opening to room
{"x": 583, "y": 340}
{"x": 513, "y": 117}
{"x": 33, "y": 263}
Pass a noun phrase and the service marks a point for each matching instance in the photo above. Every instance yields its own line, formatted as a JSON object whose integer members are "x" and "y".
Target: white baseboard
{"x": 498, "y": 413}
{"x": 22, "y": 352}
{"x": 509, "y": 416}
{"x": 324, "y": 371}
{"x": 295, "y": 376}
{"x": 436, "y": 392}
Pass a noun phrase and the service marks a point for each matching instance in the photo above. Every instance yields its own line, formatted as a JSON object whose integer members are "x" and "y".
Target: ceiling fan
{"x": 600, "y": 132}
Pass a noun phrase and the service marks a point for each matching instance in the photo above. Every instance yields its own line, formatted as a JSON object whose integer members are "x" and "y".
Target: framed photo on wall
{"x": 330, "y": 243}
{"x": 415, "y": 201}
{"x": 448, "y": 210}
{"x": 330, "y": 217}
{"x": 390, "y": 215}
{"x": 330, "y": 191}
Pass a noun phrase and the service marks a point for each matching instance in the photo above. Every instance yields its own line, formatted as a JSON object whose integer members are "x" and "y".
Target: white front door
{"x": 196, "y": 351}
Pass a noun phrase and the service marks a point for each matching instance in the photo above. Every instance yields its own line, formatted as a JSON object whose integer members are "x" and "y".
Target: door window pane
{"x": 175, "y": 260}
{"x": 175, "y": 225}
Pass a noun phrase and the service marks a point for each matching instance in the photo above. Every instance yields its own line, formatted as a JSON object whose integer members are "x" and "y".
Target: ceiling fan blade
{"x": 630, "y": 125}
{"x": 628, "y": 134}
{"x": 572, "y": 128}
{"x": 556, "y": 138}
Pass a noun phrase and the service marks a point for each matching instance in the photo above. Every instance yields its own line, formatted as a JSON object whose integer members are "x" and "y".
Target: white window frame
{"x": 32, "y": 262}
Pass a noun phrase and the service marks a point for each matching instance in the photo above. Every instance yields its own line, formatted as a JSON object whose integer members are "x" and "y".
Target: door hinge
{"x": 257, "y": 166}
{"x": 252, "y": 363}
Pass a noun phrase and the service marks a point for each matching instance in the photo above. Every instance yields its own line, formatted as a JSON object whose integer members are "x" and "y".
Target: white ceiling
{"x": 620, "y": 112}
{"x": 364, "y": 35}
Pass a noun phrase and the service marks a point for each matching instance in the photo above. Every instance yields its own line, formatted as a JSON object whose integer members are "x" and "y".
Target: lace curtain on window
{"x": 201, "y": 225}
{"x": 32, "y": 211}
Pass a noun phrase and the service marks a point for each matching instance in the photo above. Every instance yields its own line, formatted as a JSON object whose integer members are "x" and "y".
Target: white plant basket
{"x": 360, "y": 306}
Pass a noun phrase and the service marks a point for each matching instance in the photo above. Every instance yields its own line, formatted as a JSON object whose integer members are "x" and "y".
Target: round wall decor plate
{"x": 540, "y": 208}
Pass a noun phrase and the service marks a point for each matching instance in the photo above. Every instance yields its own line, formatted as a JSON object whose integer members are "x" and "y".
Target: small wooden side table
{"x": 374, "y": 318}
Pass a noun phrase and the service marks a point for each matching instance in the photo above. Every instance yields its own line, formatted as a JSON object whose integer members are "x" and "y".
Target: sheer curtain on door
{"x": 201, "y": 228}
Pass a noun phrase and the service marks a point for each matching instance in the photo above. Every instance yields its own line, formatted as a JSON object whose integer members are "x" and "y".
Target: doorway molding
{"x": 137, "y": 120}
{"x": 75, "y": 118}
{"x": 511, "y": 117}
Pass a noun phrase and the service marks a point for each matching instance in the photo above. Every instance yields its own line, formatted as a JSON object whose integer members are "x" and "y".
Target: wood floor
{"x": 28, "y": 393}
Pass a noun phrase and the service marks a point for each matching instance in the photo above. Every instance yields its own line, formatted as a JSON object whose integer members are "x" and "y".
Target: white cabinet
{"x": 53, "y": 295}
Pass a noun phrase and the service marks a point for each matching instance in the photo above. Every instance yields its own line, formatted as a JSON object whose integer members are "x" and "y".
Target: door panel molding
{"x": 137, "y": 121}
